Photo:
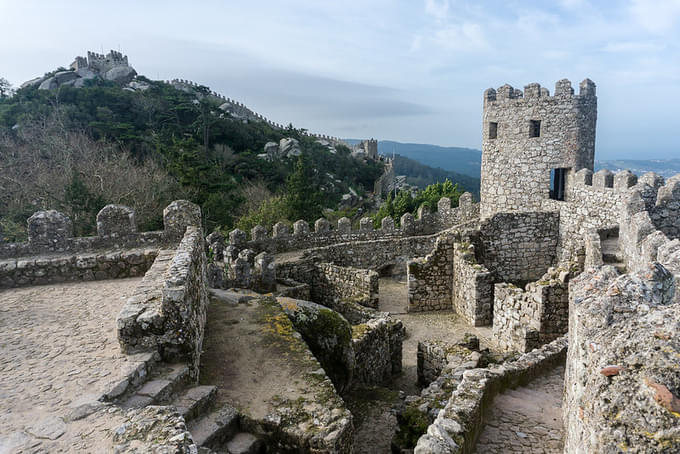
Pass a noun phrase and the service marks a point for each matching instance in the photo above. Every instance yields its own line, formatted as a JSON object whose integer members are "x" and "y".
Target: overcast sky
{"x": 409, "y": 70}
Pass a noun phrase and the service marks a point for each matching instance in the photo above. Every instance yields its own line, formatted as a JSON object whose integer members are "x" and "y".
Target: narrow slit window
{"x": 535, "y": 128}
{"x": 493, "y": 130}
{"x": 558, "y": 182}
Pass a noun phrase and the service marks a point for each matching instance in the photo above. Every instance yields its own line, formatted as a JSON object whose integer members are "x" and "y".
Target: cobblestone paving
{"x": 526, "y": 419}
{"x": 58, "y": 354}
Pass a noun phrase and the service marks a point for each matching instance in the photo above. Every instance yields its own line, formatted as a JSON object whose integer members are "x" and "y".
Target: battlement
{"x": 51, "y": 232}
{"x": 302, "y": 236}
{"x": 240, "y": 110}
{"x": 534, "y": 91}
{"x": 530, "y": 139}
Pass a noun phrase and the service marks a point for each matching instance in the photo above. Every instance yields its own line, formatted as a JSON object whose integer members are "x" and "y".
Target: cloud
{"x": 657, "y": 16}
{"x": 438, "y": 9}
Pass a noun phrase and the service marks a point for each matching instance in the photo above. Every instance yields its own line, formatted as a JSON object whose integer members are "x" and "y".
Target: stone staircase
{"x": 214, "y": 430}
{"x": 611, "y": 254}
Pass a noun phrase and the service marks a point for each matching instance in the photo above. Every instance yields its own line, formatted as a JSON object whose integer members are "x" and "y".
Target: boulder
{"x": 272, "y": 149}
{"x": 48, "y": 84}
{"x": 86, "y": 73}
{"x": 289, "y": 147}
{"x": 120, "y": 74}
{"x": 65, "y": 76}
{"x": 328, "y": 335}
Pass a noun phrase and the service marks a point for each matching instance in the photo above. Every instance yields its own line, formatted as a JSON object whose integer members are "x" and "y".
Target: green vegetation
{"x": 181, "y": 141}
{"x": 404, "y": 202}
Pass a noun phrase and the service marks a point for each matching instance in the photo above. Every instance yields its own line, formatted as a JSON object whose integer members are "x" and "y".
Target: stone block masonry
{"x": 519, "y": 247}
{"x": 622, "y": 379}
{"x": 168, "y": 310}
{"x": 458, "y": 424}
{"x": 525, "y": 319}
{"x": 430, "y": 282}
{"x": 81, "y": 267}
{"x": 51, "y": 232}
{"x": 525, "y": 136}
{"x": 330, "y": 282}
{"x": 282, "y": 239}
{"x": 473, "y": 286}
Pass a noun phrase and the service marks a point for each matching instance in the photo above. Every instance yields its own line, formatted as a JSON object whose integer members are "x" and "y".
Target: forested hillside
{"x": 421, "y": 175}
{"x": 77, "y": 149}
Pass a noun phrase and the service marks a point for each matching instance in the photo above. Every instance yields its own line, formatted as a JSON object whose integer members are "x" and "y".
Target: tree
{"x": 305, "y": 201}
{"x": 6, "y": 89}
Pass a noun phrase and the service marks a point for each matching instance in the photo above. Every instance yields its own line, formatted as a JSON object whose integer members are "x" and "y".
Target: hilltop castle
{"x": 100, "y": 63}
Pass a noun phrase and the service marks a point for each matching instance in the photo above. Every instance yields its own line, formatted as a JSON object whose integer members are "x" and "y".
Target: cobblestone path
{"x": 58, "y": 353}
{"x": 527, "y": 419}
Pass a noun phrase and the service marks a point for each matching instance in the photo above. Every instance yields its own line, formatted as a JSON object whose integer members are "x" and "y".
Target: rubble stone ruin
{"x": 544, "y": 318}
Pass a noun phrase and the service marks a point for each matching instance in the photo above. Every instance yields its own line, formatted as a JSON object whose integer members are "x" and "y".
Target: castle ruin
{"x": 563, "y": 275}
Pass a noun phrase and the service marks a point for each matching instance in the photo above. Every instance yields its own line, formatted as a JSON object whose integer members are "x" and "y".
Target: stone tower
{"x": 531, "y": 142}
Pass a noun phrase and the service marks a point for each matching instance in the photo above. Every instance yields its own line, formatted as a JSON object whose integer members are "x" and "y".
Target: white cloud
{"x": 437, "y": 8}
{"x": 657, "y": 16}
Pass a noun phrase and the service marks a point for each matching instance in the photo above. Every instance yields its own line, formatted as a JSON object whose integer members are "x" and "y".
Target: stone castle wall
{"x": 167, "y": 311}
{"x": 525, "y": 319}
{"x": 329, "y": 282}
{"x": 53, "y": 255}
{"x": 516, "y": 166}
{"x": 519, "y": 247}
{"x": 622, "y": 381}
{"x": 281, "y": 239}
{"x": 473, "y": 285}
{"x": 430, "y": 283}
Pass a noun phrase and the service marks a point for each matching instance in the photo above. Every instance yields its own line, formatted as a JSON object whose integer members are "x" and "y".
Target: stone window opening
{"x": 558, "y": 182}
{"x": 534, "y": 128}
{"x": 493, "y": 130}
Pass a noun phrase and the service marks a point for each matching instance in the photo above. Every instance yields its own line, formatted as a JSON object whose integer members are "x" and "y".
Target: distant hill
{"x": 664, "y": 167}
{"x": 466, "y": 161}
{"x": 421, "y": 175}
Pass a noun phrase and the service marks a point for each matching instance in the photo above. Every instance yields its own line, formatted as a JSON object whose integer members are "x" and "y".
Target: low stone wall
{"x": 458, "y": 424}
{"x": 168, "y": 309}
{"x": 526, "y": 319}
{"x": 472, "y": 286}
{"x": 622, "y": 379}
{"x": 330, "y": 282}
{"x": 81, "y": 267}
{"x": 519, "y": 247}
{"x": 374, "y": 255}
{"x": 430, "y": 282}
{"x": 440, "y": 369}
{"x": 51, "y": 232}
{"x": 377, "y": 350}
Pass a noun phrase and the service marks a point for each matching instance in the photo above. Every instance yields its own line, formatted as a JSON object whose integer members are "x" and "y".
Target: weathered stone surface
{"x": 153, "y": 429}
{"x": 328, "y": 335}
{"x": 180, "y": 214}
{"x": 50, "y": 229}
{"x": 622, "y": 379}
{"x": 116, "y": 220}
{"x": 120, "y": 74}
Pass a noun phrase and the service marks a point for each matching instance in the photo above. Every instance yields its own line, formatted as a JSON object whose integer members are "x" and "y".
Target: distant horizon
{"x": 480, "y": 150}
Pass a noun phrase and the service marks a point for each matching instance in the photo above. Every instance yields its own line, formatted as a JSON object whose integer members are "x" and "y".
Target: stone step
{"x": 215, "y": 428}
{"x": 166, "y": 381}
{"x": 244, "y": 443}
{"x": 194, "y": 401}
